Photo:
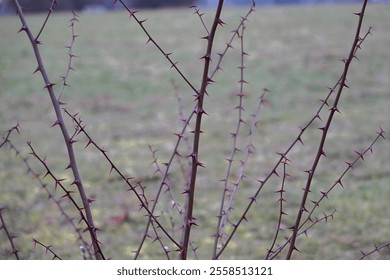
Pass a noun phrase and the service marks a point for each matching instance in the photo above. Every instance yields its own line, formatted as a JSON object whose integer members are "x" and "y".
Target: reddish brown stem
{"x": 190, "y": 220}
{"x": 320, "y": 152}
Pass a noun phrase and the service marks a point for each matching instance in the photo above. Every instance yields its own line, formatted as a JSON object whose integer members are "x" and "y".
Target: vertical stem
{"x": 224, "y": 209}
{"x": 325, "y": 129}
{"x": 189, "y": 219}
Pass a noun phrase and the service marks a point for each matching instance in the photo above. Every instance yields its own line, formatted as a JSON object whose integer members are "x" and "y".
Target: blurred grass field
{"x": 125, "y": 93}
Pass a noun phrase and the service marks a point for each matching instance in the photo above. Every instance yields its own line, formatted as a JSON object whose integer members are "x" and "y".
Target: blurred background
{"x": 32, "y": 6}
{"x": 130, "y": 99}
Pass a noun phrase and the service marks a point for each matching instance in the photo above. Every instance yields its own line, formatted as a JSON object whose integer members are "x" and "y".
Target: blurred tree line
{"x": 6, "y": 6}
{"x": 42, "y": 5}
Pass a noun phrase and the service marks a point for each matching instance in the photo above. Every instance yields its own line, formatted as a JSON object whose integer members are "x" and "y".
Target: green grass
{"x": 123, "y": 90}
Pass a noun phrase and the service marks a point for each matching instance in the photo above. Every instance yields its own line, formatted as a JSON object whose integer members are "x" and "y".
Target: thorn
{"x": 316, "y": 203}
{"x": 174, "y": 64}
{"x": 356, "y": 58}
{"x": 324, "y": 194}
{"x": 221, "y": 22}
{"x": 202, "y": 111}
{"x": 280, "y": 191}
{"x": 46, "y": 174}
{"x": 49, "y": 85}
{"x": 23, "y": 28}
{"x": 142, "y": 21}
{"x": 344, "y": 60}
{"x": 359, "y": 154}
{"x": 36, "y": 70}
{"x": 112, "y": 168}
{"x": 209, "y": 81}
{"x": 325, "y": 102}
{"x": 185, "y": 192}
{"x": 192, "y": 222}
{"x": 253, "y": 199}
{"x": 350, "y": 165}
{"x": 132, "y": 14}
{"x": 381, "y": 132}
{"x": 340, "y": 183}
{"x": 206, "y": 57}
{"x": 90, "y": 200}
{"x": 75, "y": 182}
{"x": 322, "y": 128}
{"x": 282, "y": 155}
{"x": 58, "y": 183}
{"x": 309, "y": 171}
{"x": 35, "y": 243}
{"x": 55, "y": 123}
{"x": 335, "y": 109}
{"x": 89, "y": 143}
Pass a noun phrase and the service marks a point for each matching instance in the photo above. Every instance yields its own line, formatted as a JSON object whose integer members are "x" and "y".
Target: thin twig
{"x": 70, "y": 56}
{"x": 8, "y": 135}
{"x": 10, "y": 238}
{"x": 143, "y": 205}
{"x": 376, "y": 250}
{"x": 281, "y": 202}
{"x": 154, "y": 42}
{"x": 52, "y": 198}
{"x": 50, "y": 11}
{"x": 47, "y": 249}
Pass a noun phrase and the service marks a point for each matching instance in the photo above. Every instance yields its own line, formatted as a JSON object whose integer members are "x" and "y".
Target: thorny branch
{"x": 334, "y": 109}
{"x": 80, "y": 128}
{"x": 311, "y": 220}
{"x": 186, "y": 122}
{"x": 53, "y": 198}
{"x": 190, "y": 219}
{"x": 3, "y": 226}
{"x": 282, "y": 156}
{"x": 49, "y": 86}
{"x": 48, "y": 249}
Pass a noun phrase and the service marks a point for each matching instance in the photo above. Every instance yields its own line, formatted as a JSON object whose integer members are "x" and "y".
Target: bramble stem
{"x": 325, "y": 129}
{"x": 60, "y": 121}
